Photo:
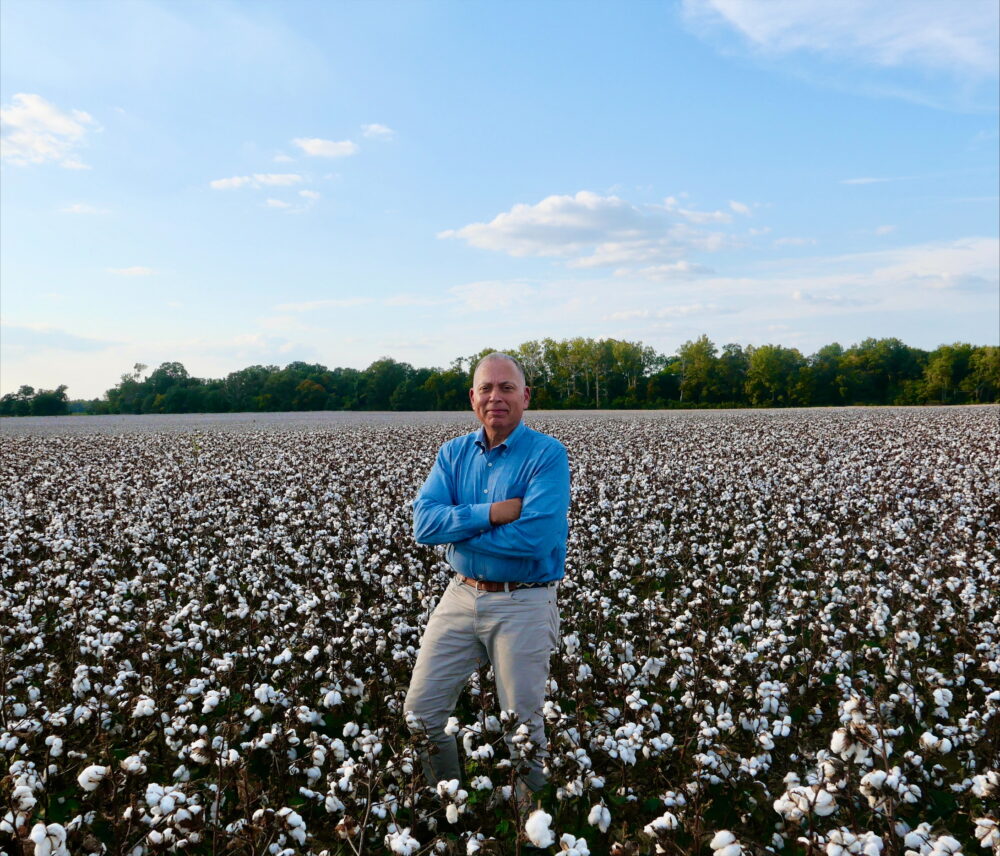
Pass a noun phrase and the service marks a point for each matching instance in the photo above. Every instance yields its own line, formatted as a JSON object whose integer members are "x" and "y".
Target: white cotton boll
{"x": 49, "y": 840}
{"x": 537, "y": 829}
{"x": 351, "y": 729}
{"x": 481, "y": 783}
{"x": 665, "y": 821}
{"x": 447, "y": 787}
{"x": 400, "y": 841}
{"x": 91, "y": 777}
{"x": 284, "y": 657}
{"x": 722, "y": 838}
{"x": 988, "y": 833}
{"x": 600, "y": 817}
{"x": 133, "y": 764}
{"x": 55, "y": 745}
{"x": 451, "y": 813}
{"x": 23, "y": 799}
{"x": 570, "y": 845}
{"x": 144, "y": 706}
{"x": 452, "y": 727}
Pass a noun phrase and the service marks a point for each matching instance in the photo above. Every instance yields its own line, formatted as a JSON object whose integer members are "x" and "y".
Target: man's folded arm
{"x": 437, "y": 519}
{"x": 541, "y": 526}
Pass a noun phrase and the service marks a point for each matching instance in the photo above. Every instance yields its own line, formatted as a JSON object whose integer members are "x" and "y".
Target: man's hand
{"x": 505, "y": 512}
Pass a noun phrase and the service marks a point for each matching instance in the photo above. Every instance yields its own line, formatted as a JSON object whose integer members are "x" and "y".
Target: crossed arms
{"x": 527, "y": 527}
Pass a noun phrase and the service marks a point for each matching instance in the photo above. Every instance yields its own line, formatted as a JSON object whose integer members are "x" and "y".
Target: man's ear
{"x": 472, "y": 397}
{"x": 527, "y": 395}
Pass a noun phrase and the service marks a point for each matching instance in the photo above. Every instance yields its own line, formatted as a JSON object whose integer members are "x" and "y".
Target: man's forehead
{"x": 496, "y": 371}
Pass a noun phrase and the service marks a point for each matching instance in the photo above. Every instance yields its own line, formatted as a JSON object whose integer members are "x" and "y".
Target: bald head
{"x": 498, "y": 355}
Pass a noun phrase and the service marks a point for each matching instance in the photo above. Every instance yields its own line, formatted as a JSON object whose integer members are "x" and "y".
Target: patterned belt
{"x": 489, "y": 585}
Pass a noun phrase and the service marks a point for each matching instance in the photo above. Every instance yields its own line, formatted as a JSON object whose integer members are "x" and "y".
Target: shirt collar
{"x": 506, "y": 444}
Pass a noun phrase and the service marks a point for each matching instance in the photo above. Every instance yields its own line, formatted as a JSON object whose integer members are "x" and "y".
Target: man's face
{"x": 498, "y": 396}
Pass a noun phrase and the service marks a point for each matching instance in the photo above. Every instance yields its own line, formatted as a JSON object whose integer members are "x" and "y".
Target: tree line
{"x": 574, "y": 373}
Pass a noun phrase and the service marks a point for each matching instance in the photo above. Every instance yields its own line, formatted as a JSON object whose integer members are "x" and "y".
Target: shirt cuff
{"x": 479, "y": 516}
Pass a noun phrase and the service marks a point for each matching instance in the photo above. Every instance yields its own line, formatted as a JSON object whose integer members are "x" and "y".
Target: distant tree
{"x": 983, "y": 381}
{"x": 699, "y": 377}
{"x": 773, "y": 375}
{"x": 50, "y": 402}
{"x": 947, "y": 368}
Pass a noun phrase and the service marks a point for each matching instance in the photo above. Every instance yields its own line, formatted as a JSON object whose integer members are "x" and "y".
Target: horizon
{"x": 250, "y": 183}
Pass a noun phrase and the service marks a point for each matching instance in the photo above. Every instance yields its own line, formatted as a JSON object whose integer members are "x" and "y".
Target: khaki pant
{"x": 514, "y": 632}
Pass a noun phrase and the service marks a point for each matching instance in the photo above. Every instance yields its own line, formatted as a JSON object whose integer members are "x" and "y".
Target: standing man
{"x": 498, "y": 498}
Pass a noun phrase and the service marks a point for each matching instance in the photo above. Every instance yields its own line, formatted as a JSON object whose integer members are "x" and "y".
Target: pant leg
{"x": 521, "y": 631}
{"x": 449, "y": 653}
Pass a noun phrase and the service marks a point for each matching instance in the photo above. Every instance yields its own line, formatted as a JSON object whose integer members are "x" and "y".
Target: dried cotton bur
{"x": 779, "y": 634}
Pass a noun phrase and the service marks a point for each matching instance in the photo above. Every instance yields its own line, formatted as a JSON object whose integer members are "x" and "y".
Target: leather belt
{"x": 490, "y": 585}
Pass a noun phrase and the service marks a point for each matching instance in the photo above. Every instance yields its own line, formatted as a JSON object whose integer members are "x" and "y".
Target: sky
{"x": 225, "y": 184}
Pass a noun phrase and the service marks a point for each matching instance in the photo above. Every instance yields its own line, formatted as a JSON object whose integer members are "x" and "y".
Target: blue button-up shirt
{"x": 453, "y": 506}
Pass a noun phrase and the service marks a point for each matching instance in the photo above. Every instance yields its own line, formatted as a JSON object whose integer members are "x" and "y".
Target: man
{"x": 498, "y": 498}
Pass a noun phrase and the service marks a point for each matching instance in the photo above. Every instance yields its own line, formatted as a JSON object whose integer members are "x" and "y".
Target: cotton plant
{"x": 730, "y": 614}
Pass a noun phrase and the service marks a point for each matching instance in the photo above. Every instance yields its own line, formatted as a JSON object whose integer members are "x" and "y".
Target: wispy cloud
{"x": 867, "y": 180}
{"x": 256, "y": 181}
{"x": 82, "y": 208}
{"x": 136, "y": 270}
{"x": 927, "y": 34}
{"x": 316, "y": 147}
{"x": 32, "y": 336}
{"x": 378, "y": 132}
{"x": 884, "y": 230}
{"x": 311, "y": 195}
{"x": 35, "y": 131}
{"x": 794, "y": 242}
{"x": 278, "y": 203}
{"x": 332, "y": 303}
{"x": 489, "y": 295}
{"x": 740, "y": 207}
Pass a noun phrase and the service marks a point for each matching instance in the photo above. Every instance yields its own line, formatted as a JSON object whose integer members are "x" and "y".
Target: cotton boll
{"x": 536, "y": 827}
{"x": 91, "y": 777}
{"x": 600, "y": 817}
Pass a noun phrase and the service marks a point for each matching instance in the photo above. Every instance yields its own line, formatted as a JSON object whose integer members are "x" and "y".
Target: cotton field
{"x": 780, "y": 634}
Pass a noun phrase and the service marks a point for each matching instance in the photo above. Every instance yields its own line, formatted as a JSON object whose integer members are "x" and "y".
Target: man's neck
{"x": 494, "y": 440}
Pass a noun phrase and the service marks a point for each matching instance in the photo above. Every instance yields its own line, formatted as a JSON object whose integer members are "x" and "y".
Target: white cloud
{"x": 884, "y": 230}
{"x": 700, "y": 217}
{"x": 256, "y": 181}
{"x": 591, "y": 230}
{"x": 866, "y": 180}
{"x": 283, "y": 158}
{"x": 36, "y": 131}
{"x": 794, "y": 242}
{"x": 740, "y": 207}
{"x": 317, "y": 147}
{"x": 81, "y": 208}
{"x": 378, "y": 132}
{"x": 828, "y": 299}
{"x": 958, "y": 37}
{"x": 309, "y": 194}
{"x": 135, "y": 270}
{"x": 277, "y": 203}
{"x": 682, "y": 269}
{"x": 488, "y": 295}
{"x": 332, "y": 303}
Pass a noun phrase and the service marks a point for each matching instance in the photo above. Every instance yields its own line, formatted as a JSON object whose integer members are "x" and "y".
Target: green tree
{"x": 772, "y": 375}
{"x": 983, "y": 381}
{"x": 699, "y": 374}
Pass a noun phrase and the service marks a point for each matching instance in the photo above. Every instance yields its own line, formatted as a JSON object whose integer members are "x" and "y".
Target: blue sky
{"x": 224, "y": 184}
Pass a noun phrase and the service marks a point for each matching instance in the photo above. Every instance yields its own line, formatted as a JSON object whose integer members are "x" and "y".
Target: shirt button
{"x": 489, "y": 465}
{"x": 486, "y": 490}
